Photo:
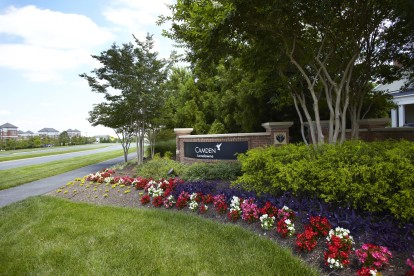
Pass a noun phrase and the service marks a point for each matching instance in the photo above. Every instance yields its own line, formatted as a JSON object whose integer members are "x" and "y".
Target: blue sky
{"x": 45, "y": 45}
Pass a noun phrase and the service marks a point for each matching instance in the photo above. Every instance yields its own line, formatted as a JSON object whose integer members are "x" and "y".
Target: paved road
{"x": 51, "y": 149}
{"x": 6, "y": 165}
{"x": 49, "y": 184}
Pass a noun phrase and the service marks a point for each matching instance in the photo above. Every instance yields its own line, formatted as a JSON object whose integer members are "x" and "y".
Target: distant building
{"x": 403, "y": 115}
{"x": 100, "y": 138}
{"x": 8, "y": 131}
{"x": 73, "y": 133}
{"x": 49, "y": 132}
{"x": 25, "y": 135}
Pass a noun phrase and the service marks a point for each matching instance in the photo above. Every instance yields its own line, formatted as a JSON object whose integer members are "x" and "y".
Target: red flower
{"x": 269, "y": 209}
{"x": 307, "y": 240}
{"x": 207, "y": 199}
{"x": 158, "y": 201}
{"x": 202, "y": 209}
{"x": 233, "y": 215}
{"x": 145, "y": 199}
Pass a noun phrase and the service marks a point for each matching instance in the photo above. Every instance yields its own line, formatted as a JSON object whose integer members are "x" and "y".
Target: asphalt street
{"x": 6, "y": 165}
{"x": 46, "y": 185}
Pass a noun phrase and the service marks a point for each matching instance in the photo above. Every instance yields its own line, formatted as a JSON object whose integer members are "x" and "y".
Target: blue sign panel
{"x": 214, "y": 150}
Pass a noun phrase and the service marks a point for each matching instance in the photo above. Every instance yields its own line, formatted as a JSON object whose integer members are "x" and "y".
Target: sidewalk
{"x": 46, "y": 185}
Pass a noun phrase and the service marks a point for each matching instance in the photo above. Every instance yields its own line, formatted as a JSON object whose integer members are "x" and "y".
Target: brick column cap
{"x": 182, "y": 131}
{"x": 276, "y": 125}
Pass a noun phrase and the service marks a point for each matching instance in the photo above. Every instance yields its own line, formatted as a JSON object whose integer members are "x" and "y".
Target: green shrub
{"x": 212, "y": 171}
{"x": 162, "y": 147}
{"x": 375, "y": 177}
{"x": 159, "y": 167}
{"x": 168, "y": 154}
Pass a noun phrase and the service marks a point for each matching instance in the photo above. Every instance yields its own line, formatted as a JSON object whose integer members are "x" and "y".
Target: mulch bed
{"x": 127, "y": 196}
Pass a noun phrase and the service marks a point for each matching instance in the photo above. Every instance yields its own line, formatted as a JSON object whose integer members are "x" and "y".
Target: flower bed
{"x": 269, "y": 214}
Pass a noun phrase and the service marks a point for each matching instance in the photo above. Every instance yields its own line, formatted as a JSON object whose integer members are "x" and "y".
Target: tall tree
{"x": 317, "y": 43}
{"x": 137, "y": 75}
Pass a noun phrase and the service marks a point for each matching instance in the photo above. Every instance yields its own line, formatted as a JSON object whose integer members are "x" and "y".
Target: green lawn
{"x": 24, "y": 154}
{"x": 18, "y": 176}
{"x": 52, "y": 236}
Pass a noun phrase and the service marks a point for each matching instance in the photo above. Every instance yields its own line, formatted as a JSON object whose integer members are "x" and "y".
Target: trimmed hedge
{"x": 159, "y": 167}
{"x": 212, "y": 171}
{"x": 374, "y": 177}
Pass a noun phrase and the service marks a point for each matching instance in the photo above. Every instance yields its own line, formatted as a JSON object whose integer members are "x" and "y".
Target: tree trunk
{"x": 302, "y": 128}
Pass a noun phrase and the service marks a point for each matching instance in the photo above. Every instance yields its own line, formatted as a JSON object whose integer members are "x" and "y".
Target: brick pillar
{"x": 180, "y": 132}
{"x": 279, "y": 132}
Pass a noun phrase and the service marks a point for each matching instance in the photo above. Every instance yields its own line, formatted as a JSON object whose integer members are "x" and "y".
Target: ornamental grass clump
{"x": 339, "y": 247}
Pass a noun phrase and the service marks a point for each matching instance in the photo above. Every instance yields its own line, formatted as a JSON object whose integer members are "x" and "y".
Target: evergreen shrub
{"x": 212, "y": 171}
{"x": 369, "y": 176}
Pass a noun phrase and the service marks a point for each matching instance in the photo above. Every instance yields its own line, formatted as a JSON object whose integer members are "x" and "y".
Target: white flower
{"x": 193, "y": 196}
{"x": 267, "y": 222}
{"x": 235, "y": 204}
{"x": 193, "y": 205}
{"x": 333, "y": 263}
{"x": 373, "y": 272}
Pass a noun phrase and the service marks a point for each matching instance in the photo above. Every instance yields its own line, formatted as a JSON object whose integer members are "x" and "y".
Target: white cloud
{"x": 52, "y": 42}
{"x": 138, "y": 17}
{"x": 4, "y": 112}
{"x": 52, "y": 29}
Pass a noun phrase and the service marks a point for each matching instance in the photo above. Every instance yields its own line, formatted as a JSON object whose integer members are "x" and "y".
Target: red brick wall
{"x": 381, "y": 134}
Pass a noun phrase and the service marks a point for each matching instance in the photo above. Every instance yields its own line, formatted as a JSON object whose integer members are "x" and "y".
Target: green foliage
{"x": 168, "y": 155}
{"x": 217, "y": 127}
{"x": 162, "y": 147}
{"x": 159, "y": 167}
{"x": 51, "y": 236}
{"x": 212, "y": 171}
{"x": 375, "y": 177}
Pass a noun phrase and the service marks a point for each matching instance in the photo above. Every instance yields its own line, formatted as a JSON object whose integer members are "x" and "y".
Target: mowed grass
{"x": 52, "y": 236}
{"x": 18, "y": 176}
{"x": 42, "y": 152}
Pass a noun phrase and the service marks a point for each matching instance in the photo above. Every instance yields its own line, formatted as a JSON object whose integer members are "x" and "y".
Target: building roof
{"x": 29, "y": 132}
{"x": 395, "y": 87}
{"x": 20, "y": 132}
{"x": 7, "y": 125}
{"x": 73, "y": 130}
{"x": 48, "y": 129}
